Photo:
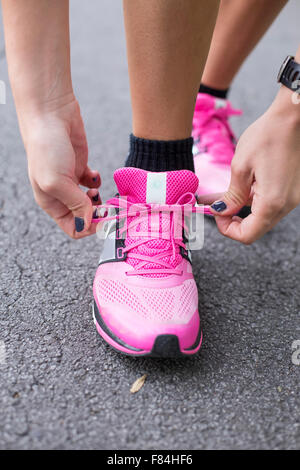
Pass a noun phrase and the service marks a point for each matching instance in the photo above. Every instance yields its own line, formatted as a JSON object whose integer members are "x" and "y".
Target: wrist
{"x": 287, "y": 106}
{"x": 42, "y": 98}
{"x": 33, "y": 115}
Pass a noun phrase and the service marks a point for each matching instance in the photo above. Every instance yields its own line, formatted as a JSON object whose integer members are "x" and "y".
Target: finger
{"x": 94, "y": 196}
{"x": 66, "y": 223}
{"x": 238, "y": 194}
{"x": 62, "y": 216}
{"x": 208, "y": 199}
{"x": 76, "y": 201}
{"x": 90, "y": 178}
{"x": 246, "y": 230}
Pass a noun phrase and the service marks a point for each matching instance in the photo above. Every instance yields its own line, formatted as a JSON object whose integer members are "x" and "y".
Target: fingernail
{"x": 219, "y": 206}
{"x": 79, "y": 224}
{"x": 95, "y": 214}
{"x": 96, "y": 198}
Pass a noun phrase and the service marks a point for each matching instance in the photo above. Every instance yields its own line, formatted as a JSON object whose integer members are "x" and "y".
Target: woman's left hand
{"x": 265, "y": 172}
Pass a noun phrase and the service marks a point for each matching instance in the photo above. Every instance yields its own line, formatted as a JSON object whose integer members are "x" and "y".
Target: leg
{"x": 167, "y": 45}
{"x": 146, "y": 303}
{"x": 240, "y": 25}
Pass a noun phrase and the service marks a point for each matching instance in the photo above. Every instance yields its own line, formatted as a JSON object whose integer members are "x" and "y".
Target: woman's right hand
{"x": 38, "y": 56}
{"x": 57, "y": 152}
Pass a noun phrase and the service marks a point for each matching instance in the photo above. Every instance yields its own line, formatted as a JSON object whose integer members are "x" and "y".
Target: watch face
{"x": 283, "y": 66}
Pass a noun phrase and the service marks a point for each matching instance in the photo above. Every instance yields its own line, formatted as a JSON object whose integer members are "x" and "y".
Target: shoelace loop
{"x": 141, "y": 212}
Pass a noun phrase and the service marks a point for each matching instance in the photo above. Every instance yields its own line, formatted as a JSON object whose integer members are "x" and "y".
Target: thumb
{"x": 237, "y": 195}
{"x": 79, "y": 204}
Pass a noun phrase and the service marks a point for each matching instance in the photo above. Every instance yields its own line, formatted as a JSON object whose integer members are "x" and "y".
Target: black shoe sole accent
{"x": 166, "y": 346}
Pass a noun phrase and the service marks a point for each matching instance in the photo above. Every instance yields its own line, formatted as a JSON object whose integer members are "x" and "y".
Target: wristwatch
{"x": 289, "y": 74}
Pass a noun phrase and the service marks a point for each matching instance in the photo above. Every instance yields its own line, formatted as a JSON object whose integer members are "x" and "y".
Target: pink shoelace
{"x": 139, "y": 213}
{"x": 215, "y": 133}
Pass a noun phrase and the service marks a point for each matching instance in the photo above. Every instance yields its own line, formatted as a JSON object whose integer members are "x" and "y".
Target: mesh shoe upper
{"x": 151, "y": 303}
{"x": 132, "y": 183}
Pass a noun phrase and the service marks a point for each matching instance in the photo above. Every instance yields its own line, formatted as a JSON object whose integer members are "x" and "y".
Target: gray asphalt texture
{"x": 61, "y": 386}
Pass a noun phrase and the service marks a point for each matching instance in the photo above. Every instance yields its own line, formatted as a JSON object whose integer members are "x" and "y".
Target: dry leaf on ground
{"x": 137, "y": 385}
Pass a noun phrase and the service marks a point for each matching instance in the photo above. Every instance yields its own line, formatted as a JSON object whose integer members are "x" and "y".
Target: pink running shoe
{"x": 146, "y": 299}
{"x": 214, "y": 143}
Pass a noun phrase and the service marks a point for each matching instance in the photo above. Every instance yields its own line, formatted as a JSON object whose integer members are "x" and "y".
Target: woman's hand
{"x": 38, "y": 54}
{"x": 265, "y": 172}
{"x": 57, "y": 152}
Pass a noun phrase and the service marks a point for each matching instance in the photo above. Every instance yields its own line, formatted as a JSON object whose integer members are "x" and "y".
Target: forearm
{"x": 38, "y": 54}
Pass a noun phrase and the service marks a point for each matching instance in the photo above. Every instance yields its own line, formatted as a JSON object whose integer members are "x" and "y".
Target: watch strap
{"x": 290, "y": 76}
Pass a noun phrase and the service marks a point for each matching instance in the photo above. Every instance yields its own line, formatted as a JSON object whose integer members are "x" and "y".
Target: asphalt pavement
{"x": 61, "y": 386}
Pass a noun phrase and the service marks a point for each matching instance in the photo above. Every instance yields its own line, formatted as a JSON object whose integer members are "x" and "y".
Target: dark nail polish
{"x": 79, "y": 224}
{"x": 96, "y": 198}
{"x": 219, "y": 206}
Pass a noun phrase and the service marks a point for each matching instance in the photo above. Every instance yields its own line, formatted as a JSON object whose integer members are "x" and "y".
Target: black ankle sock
{"x": 213, "y": 91}
{"x": 160, "y": 155}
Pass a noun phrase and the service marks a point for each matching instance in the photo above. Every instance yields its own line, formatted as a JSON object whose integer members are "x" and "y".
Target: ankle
{"x": 216, "y": 92}
{"x": 160, "y": 155}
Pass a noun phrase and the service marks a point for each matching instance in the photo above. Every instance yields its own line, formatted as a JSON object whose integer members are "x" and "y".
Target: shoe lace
{"x": 212, "y": 131}
{"x": 135, "y": 214}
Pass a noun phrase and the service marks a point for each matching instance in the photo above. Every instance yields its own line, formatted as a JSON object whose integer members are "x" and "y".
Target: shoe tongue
{"x": 154, "y": 187}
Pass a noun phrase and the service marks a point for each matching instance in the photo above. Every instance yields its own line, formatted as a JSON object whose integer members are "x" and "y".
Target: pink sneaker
{"x": 146, "y": 299}
{"x": 214, "y": 143}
